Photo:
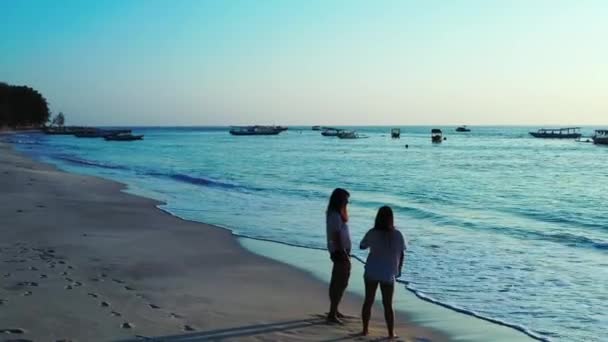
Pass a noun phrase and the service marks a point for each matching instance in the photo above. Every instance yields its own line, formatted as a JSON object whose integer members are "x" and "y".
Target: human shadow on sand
{"x": 236, "y": 332}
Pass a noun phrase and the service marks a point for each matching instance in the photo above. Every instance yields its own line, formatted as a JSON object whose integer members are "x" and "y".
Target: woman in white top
{"x": 383, "y": 265}
{"x": 339, "y": 246}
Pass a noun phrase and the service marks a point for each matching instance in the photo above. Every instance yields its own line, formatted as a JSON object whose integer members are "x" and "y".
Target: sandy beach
{"x": 84, "y": 261}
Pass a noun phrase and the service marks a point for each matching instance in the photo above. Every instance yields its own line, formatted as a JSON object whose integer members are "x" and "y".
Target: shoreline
{"x": 115, "y": 263}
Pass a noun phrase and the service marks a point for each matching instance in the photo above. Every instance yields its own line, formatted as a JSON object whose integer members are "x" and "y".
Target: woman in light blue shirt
{"x": 383, "y": 265}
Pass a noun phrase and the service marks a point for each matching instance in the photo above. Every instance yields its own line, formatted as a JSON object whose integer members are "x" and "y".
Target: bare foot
{"x": 333, "y": 320}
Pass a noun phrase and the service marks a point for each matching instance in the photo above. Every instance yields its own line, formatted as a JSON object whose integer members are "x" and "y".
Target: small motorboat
{"x": 123, "y": 137}
{"x": 316, "y": 128}
{"x": 463, "y": 129}
{"x": 436, "y": 135}
{"x": 331, "y": 132}
{"x": 350, "y": 135}
{"x": 396, "y": 133}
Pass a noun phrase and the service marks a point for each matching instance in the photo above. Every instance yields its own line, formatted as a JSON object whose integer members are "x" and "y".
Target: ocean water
{"x": 500, "y": 224}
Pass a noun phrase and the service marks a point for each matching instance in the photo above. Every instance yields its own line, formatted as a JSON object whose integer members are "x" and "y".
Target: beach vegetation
{"x": 22, "y": 106}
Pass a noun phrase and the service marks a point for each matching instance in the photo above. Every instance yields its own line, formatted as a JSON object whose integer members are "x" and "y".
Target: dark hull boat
{"x": 436, "y": 136}
{"x": 557, "y": 133}
{"x": 101, "y": 133}
{"x": 601, "y": 137}
{"x": 123, "y": 137}
{"x": 257, "y": 130}
{"x": 463, "y": 129}
{"x": 331, "y": 132}
{"x": 396, "y": 133}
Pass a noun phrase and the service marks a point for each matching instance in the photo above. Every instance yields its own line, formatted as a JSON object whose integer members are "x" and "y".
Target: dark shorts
{"x": 340, "y": 272}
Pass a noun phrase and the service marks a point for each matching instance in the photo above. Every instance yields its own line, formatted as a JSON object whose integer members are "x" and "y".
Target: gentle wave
{"x": 86, "y": 162}
{"x": 198, "y": 180}
{"x": 567, "y": 239}
{"x": 195, "y": 180}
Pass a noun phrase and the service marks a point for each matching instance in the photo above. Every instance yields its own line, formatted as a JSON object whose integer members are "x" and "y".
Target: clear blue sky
{"x": 202, "y": 62}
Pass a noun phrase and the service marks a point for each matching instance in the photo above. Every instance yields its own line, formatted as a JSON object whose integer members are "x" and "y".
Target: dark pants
{"x": 340, "y": 274}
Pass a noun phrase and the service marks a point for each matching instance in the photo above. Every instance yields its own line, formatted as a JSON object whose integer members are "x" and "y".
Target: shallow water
{"x": 500, "y": 224}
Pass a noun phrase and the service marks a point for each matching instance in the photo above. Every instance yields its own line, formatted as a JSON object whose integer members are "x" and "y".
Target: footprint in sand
{"x": 68, "y": 287}
{"x": 188, "y": 328}
{"x": 40, "y": 206}
{"x": 43, "y": 276}
{"x": 2, "y": 301}
{"x": 32, "y": 268}
{"x": 27, "y": 293}
{"x": 16, "y": 331}
{"x": 127, "y": 325}
{"x": 28, "y": 283}
{"x": 104, "y": 304}
{"x": 117, "y": 314}
{"x": 94, "y": 295}
{"x": 153, "y": 306}
{"x": 118, "y": 281}
{"x": 129, "y": 288}
{"x": 19, "y": 210}
{"x": 174, "y": 315}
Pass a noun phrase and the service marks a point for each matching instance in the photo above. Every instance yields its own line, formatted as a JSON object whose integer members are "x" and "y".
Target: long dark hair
{"x": 337, "y": 203}
{"x": 384, "y": 219}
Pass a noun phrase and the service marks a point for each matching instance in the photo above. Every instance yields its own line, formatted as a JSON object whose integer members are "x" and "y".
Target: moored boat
{"x": 600, "y": 137}
{"x": 316, "y": 128}
{"x": 557, "y": 133}
{"x": 463, "y": 129}
{"x": 396, "y": 133}
{"x": 256, "y": 130}
{"x": 123, "y": 137}
{"x": 350, "y": 135}
{"x": 100, "y": 133}
{"x": 436, "y": 135}
{"x": 331, "y": 132}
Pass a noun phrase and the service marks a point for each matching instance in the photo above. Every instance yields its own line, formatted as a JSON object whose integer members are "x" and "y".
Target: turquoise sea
{"x": 500, "y": 224}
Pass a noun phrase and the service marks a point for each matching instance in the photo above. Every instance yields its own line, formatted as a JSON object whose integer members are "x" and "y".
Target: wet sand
{"x": 82, "y": 260}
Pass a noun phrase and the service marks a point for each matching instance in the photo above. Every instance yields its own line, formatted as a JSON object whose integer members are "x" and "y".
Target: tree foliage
{"x": 58, "y": 120}
{"x": 22, "y": 106}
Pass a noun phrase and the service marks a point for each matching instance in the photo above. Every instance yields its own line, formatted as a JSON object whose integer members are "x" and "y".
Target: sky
{"x": 309, "y": 62}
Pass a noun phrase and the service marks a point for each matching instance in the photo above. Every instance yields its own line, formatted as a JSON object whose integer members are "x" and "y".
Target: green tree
{"x": 59, "y": 120}
{"x": 22, "y": 106}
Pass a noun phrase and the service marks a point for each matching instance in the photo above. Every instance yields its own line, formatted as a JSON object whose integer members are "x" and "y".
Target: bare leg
{"x": 366, "y": 311}
{"x": 387, "y": 301}
{"x": 337, "y": 286}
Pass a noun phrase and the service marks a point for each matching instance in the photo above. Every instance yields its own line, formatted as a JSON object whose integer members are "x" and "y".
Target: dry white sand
{"x": 82, "y": 261}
